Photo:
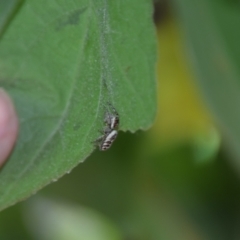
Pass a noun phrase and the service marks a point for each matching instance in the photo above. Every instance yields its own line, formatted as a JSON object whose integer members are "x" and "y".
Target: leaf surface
{"x": 7, "y": 10}
{"x": 63, "y": 62}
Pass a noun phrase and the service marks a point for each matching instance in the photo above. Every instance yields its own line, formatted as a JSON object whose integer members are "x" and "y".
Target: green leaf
{"x": 63, "y": 62}
{"x": 213, "y": 35}
{"x": 7, "y": 9}
{"x": 58, "y": 221}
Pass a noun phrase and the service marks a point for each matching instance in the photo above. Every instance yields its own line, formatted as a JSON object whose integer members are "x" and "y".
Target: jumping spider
{"x": 110, "y": 132}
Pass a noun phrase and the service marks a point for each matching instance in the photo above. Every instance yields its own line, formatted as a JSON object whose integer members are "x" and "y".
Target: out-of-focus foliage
{"x": 61, "y": 221}
{"x": 182, "y": 114}
{"x": 212, "y": 32}
{"x": 170, "y": 183}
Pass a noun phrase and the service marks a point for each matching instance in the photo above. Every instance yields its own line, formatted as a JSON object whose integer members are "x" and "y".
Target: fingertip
{"x": 8, "y": 126}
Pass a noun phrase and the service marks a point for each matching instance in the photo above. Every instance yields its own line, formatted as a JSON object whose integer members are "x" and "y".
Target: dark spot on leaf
{"x": 76, "y": 126}
{"x": 127, "y": 69}
{"x": 72, "y": 18}
{"x": 105, "y": 83}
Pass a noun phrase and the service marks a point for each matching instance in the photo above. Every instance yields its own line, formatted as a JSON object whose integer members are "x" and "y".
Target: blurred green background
{"x": 173, "y": 182}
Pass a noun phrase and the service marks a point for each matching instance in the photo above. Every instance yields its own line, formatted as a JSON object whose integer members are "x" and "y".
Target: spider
{"x": 110, "y": 132}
